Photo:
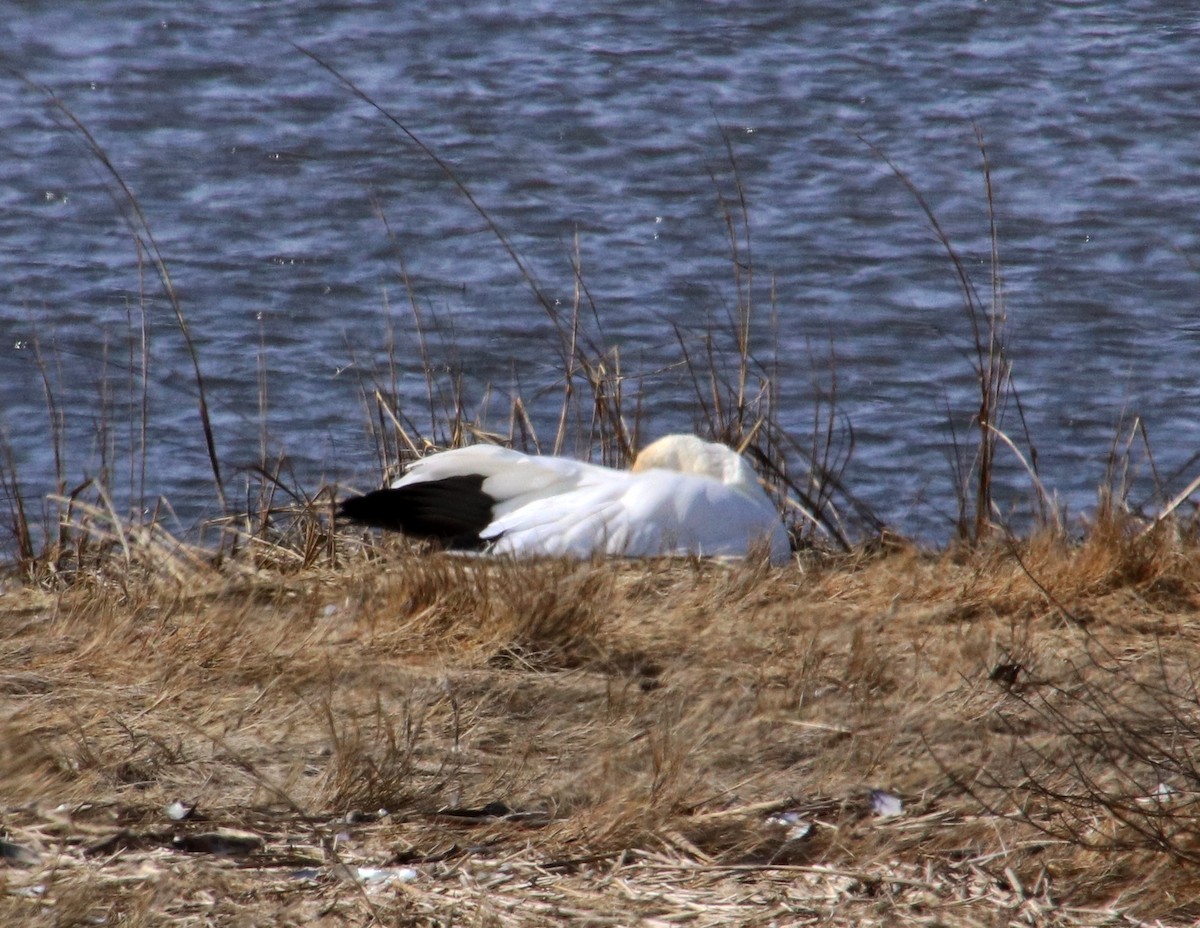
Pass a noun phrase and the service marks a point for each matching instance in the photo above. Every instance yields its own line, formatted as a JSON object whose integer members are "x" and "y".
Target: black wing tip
{"x": 355, "y": 509}
{"x": 366, "y": 509}
{"x": 452, "y": 511}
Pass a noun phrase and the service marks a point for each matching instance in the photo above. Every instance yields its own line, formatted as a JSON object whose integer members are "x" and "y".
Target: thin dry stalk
{"x": 993, "y": 369}
{"x": 139, "y": 226}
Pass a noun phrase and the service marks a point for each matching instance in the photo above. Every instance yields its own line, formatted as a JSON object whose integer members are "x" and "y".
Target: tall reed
{"x": 987, "y": 321}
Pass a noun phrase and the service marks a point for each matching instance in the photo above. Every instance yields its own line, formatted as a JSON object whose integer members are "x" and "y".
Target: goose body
{"x": 682, "y": 496}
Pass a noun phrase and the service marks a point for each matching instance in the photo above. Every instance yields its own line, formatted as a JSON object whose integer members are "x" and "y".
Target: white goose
{"x": 683, "y": 496}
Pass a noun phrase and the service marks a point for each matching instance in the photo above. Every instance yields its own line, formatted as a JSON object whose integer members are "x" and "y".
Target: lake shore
{"x": 1002, "y": 735}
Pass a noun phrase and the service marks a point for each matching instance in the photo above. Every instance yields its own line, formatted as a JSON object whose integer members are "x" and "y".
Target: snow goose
{"x": 682, "y": 496}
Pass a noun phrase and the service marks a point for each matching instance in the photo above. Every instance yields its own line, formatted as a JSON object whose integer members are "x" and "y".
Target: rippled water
{"x": 285, "y": 207}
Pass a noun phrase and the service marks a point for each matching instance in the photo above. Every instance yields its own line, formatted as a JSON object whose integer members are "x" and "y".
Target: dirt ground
{"x": 1006, "y": 737}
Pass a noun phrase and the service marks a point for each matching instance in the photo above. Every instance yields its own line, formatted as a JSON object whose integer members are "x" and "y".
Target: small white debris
{"x": 884, "y": 804}
{"x": 382, "y": 876}
{"x": 179, "y": 810}
{"x": 797, "y": 827}
{"x": 1164, "y": 792}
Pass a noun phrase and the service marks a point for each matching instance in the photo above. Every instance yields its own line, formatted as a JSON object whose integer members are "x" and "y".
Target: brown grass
{"x": 606, "y": 741}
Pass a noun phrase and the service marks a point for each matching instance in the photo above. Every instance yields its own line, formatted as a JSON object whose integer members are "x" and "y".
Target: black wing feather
{"x": 453, "y": 510}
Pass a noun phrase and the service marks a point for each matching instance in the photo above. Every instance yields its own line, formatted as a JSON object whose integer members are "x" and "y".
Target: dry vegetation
{"x": 404, "y": 738}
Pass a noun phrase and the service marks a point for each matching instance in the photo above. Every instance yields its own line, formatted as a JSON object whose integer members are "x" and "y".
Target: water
{"x": 285, "y": 208}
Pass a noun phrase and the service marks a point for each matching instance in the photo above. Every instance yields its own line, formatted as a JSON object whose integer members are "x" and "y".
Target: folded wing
{"x": 643, "y": 515}
{"x": 454, "y": 496}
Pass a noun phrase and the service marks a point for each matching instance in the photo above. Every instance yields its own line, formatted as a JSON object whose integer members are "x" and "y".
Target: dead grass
{"x": 424, "y": 739}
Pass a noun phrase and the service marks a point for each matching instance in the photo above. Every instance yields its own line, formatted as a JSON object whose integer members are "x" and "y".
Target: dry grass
{"x": 667, "y": 742}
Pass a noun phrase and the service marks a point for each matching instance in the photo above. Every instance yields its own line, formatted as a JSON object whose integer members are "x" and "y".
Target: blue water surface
{"x": 301, "y": 227}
